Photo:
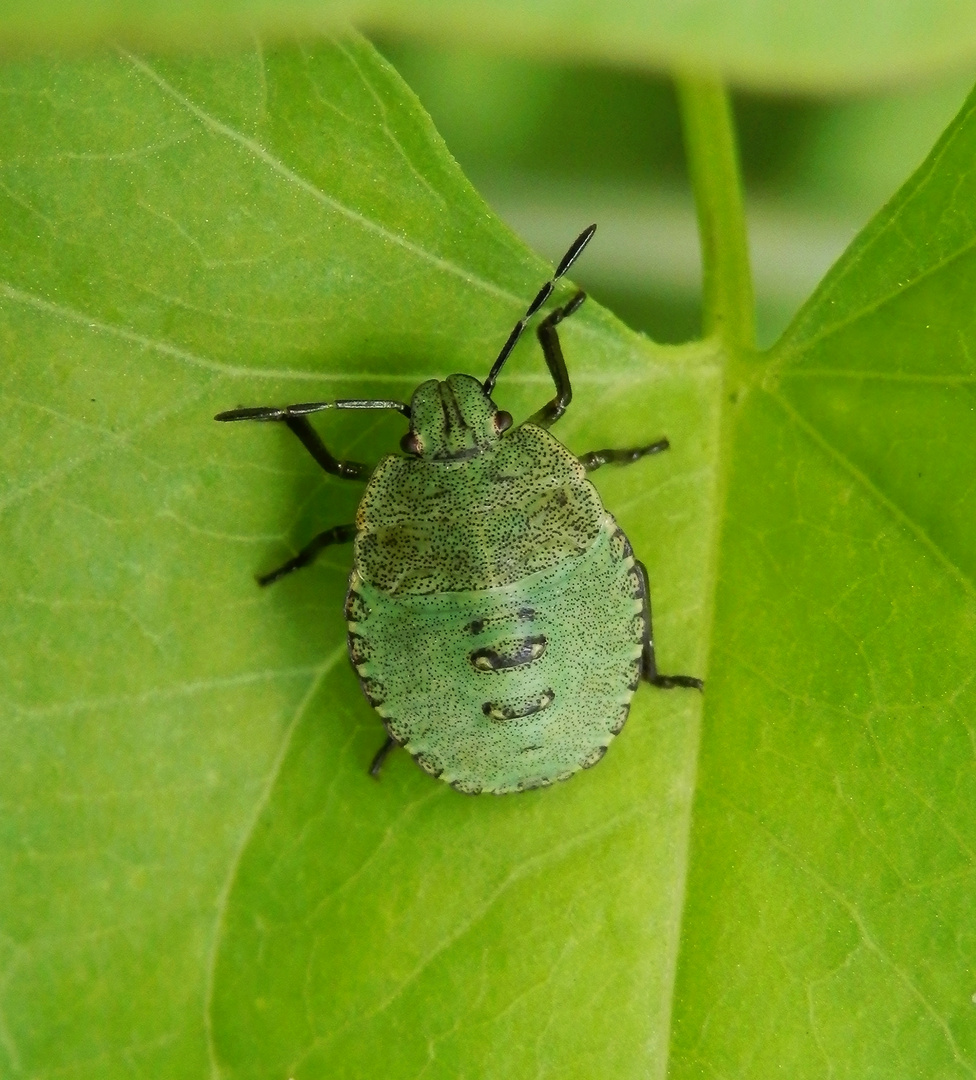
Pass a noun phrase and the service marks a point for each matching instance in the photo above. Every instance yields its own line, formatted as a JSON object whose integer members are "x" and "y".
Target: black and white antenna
{"x": 541, "y": 297}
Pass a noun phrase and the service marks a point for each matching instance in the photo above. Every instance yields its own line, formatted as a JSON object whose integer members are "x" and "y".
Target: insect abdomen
{"x": 509, "y": 688}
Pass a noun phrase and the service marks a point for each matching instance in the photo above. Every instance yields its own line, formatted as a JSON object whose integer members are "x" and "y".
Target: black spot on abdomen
{"x": 496, "y": 710}
{"x": 509, "y": 654}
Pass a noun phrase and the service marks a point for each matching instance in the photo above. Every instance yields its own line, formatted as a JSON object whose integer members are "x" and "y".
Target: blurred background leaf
{"x": 550, "y": 145}
{"x": 830, "y": 45}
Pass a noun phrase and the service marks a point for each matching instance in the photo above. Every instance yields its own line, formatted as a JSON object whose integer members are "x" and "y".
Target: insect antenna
{"x": 540, "y": 298}
{"x": 305, "y": 408}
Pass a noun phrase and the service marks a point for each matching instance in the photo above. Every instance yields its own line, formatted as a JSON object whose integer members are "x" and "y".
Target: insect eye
{"x": 411, "y": 444}
{"x": 503, "y": 421}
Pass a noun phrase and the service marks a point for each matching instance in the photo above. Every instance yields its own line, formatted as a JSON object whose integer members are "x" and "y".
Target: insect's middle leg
{"x": 339, "y": 534}
{"x": 648, "y": 659}
{"x": 552, "y": 351}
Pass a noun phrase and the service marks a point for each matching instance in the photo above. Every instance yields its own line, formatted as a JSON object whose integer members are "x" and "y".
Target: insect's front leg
{"x": 648, "y": 659}
{"x": 552, "y": 351}
{"x": 296, "y": 419}
{"x": 311, "y": 440}
{"x": 309, "y": 437}
{"x": 595, "y": 458}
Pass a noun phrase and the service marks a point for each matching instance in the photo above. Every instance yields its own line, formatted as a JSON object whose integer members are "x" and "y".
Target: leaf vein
{"x": 218, "y": 127}
{"x": 867, "y": 938}
{"x": 530, "y": 866}
{"x": 883, "y": 500}
{"x": 789, "y": 352}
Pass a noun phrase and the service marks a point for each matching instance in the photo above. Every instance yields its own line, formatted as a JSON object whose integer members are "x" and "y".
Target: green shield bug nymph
{"x": 498, "y": 619}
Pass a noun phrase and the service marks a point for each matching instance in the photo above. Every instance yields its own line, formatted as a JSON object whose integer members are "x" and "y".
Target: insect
{"x": 497, "y": 617}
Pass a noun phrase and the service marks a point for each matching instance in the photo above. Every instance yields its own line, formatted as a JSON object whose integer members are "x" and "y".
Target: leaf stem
{"x": 713, "y": 164}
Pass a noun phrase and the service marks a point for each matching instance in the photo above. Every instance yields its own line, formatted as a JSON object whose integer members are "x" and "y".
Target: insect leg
{"x": 595, "y": 458}
{"x": 380, "y": 756}
{"x": 650, "y": 672}
{"x": 310, "y": 439}
{"x": 552, "y": 351}
{"x": 296, "y": 418}
{"x": 340, "y": 534}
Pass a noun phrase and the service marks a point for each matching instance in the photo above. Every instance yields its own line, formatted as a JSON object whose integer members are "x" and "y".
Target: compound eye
{"x": 411, "y": 444}
{"x": 503, "y": 421}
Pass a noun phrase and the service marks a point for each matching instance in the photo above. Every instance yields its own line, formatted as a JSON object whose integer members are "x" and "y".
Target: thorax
{"x": 479, "y": 523}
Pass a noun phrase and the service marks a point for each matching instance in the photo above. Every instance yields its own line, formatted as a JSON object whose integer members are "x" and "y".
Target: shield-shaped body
{"x": 498, "y": 619}
{"x": 496, "y": 613}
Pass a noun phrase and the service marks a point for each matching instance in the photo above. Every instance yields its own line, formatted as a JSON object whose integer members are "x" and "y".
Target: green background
{"x": 197, "y": 878}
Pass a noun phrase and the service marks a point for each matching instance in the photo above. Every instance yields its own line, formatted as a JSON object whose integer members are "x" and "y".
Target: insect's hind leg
{"x": 339, "y": 534}
{"x": 648, "y": 660}
{"x": 380, "y": 756}
{"x": 595, "y": 458}
{"x": 552, "y": 351}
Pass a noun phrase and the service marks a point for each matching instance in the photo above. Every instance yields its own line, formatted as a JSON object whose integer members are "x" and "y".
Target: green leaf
{"x": 197, "y": 878}
{"x": 197, "y": 872}
{"x": 833, "y": 44}
{"x": 830, "y": 901}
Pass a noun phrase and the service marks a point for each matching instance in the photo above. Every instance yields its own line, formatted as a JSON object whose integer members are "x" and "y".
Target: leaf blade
{"x": 832, "y": 846}
{"x": 175, "y": 717}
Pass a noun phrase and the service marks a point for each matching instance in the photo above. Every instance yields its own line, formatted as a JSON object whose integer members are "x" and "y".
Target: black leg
{"x": 380, "y": 756}
{"x": 650, "y": 672}
{"x": 595, "y": 458}
{"x": 341, "y": 534}
{"x": 296, "y": 418}
{"x": 348, "y": 470}
{"x": 552, "y": 351}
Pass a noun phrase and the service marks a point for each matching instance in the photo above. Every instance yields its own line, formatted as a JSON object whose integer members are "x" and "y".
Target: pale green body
{"x": 496, "y": 614}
